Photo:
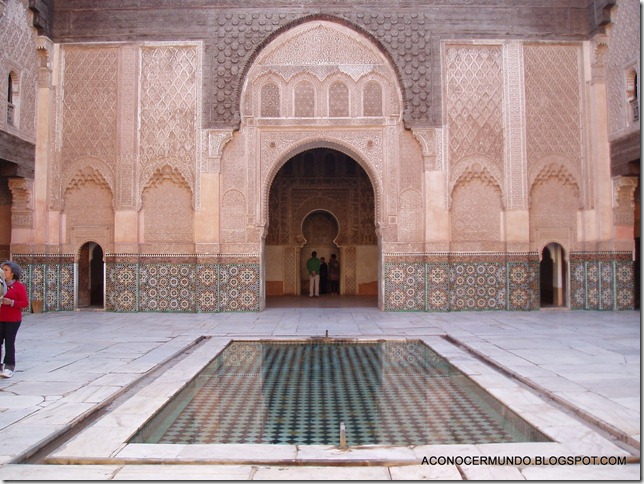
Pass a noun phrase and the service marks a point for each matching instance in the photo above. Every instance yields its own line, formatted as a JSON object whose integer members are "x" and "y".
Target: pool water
{"x": 385, "y": 392}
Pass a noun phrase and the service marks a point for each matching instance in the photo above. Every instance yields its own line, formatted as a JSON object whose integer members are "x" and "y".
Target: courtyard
{"x": 86, "y": 380}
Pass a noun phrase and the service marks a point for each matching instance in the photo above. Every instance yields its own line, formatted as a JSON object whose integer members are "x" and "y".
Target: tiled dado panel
{"x": 49, "y": 279}
{"x": 477, "y": 286}
{"x": 405, "y": 286}
{"x": 461, "y": 282}
{"x": 602, "y": 281}
{"x": 188, "y": 285}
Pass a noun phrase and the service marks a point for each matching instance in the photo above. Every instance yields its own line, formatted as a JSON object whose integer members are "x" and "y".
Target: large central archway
{"x": 321, "y": 200}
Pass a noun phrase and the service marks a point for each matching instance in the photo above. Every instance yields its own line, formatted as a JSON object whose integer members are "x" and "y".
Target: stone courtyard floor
{"x": 85, "y": 380}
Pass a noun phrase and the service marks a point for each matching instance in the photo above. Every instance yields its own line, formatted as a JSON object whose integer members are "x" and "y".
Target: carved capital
{"x": 45, "y": 49}
{"x": 624, "y": 200}
{"x": 22, "y": 207}
{"x": 624, "y": 191}
{"x": 600, "y": 48}
{"x": 427, "y": 139}
{"x": 216, "y": 141}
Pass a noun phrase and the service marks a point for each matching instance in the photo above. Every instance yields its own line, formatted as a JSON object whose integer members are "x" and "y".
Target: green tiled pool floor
{"x": 385, "y": 393}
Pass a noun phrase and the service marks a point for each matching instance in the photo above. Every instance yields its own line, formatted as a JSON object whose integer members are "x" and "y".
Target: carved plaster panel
{"x": 215, "y": 140}
{"x": 88, "y": 202}
{"x": 474, "y": 103}
{"x": 475, "y": 167}
{"x": 365, "y": 146}
{"x": 83, "y": 171}
{"x": 553, "y": 102}
{"x": 319, "y": 52}
{"x": 86, "y": 116}
{"x": 515, "y": 136}
{"x": 22, "y": 192}
{"x": 170, "y": 88}
{"x": 623, "y": 54}
{"x": 18, "y": 55}
{"x": 555, "y": 169}
{"x": 624, "y": 188}
{"x": 554, "y": 202}
{"x": 427, "y": 139}
{"x": 475, "y": 212}
{"x": 89, "y": 99}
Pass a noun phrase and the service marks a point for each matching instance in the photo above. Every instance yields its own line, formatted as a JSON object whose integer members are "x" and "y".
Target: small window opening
{"x": 633, "y": 95}
{"x": 10, "y": 105}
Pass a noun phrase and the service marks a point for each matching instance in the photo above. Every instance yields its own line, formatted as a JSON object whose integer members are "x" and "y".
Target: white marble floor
{"x": 585, "y": 366}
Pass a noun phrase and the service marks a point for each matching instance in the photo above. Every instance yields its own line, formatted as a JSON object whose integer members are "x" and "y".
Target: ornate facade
{"x": 190, "y": 157}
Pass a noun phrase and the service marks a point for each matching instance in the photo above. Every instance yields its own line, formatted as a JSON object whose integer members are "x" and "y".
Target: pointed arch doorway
{"x": 91, "y": 276}
{"x": 321, "y": 199}
{"x": 552, "y": 276}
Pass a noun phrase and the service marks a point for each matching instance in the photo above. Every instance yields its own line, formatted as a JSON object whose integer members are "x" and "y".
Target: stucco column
{"x": 42, "y": 232}
{"x": 126, "y": 216}
{"x": 516, "y": 218}
{"x": 598, "y": 222}
{"x": 434, "y": 186}
{"x": 624, "y": 211}
{"x": 208, "y": 218}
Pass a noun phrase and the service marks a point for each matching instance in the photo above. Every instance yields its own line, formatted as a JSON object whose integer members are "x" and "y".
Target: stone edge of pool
{"x": 106, "y": 441}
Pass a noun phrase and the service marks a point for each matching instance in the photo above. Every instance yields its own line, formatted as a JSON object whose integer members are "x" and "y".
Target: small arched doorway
{"x": 91, "y": 274}
{"x": 552, "y": 276}
{"x": 320, "y": 230}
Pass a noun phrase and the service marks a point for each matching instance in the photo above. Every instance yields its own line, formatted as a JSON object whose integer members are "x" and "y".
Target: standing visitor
{"x": 324, "y": 273}
{"x": 313, "y": 266}
{"x": 11, "y": 307}
{"x": 334, "y": 275}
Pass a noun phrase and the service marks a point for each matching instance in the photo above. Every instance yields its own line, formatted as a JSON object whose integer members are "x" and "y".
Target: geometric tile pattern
{"x": 405, "y": 284}
{"x": 454, "y": 282}
{"x": 122, "y": 281}
{"x": 385, "y": 393}
{"x": 48, "y": 279}
{"x": 477, "y": 286}
{"x": 206, "y": 289}
{"x": 592, "y": 285}
{"x": 606, "y": 300}
{"x": 164, "y": 287}
{"x": 238, "y": 287}
{"x": 523, "y": 285}
{"x": 598, "y": 281}
{"x": 577, "y": 284}
{"x": 173, "y": 286}
{"x": 602, "y": 281}
{"x": 624, "y": 285}
{"x": 438, "y": 284}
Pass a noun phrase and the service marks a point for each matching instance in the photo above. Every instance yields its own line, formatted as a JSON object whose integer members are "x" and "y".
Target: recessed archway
{"x": 321, "y": 199}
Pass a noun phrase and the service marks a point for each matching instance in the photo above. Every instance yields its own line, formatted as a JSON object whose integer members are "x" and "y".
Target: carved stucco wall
{"x": 321, "y": 180}
{"x": 554, "y": 140}
{"x": 126, "y": 118}
{"x": 513, "y": 139}
{"x": 623, "y": 56}
{"x": 320, "y": 85}
{"x": 19, "y": 56}
{"x": 347, "y": 79}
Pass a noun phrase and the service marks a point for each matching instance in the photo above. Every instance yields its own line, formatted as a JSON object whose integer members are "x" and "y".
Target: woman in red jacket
{"x": 11, "y": 306}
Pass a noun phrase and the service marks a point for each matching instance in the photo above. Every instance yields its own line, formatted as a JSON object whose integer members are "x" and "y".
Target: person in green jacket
{"x": 313, "y": 266}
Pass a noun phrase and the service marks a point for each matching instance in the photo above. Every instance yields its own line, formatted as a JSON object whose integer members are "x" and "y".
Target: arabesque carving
{"x": 22, "y": 192}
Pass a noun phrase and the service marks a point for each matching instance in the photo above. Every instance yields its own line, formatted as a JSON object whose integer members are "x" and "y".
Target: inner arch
{"x": 321, "y": 199}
